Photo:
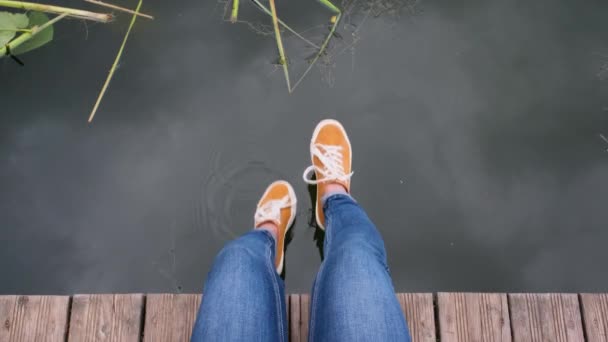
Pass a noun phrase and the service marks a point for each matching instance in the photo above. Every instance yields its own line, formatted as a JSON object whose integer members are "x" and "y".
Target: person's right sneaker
{"x": 331, "y": 156}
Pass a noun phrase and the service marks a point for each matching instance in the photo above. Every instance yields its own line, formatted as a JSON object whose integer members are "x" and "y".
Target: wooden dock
{"x": 431, "y": 317}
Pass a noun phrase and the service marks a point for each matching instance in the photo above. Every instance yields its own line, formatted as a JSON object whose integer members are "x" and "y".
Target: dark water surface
{"x": 475, "y": 127}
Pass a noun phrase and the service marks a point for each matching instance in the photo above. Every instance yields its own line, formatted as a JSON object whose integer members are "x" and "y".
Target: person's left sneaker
{"x": 277, "y": 205}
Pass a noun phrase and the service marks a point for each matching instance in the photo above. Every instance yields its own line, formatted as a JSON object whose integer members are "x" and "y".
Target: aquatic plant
{"x": 24, "y": 32}
{"x": 353, "y": 14}
{"x": 276, "y": 22}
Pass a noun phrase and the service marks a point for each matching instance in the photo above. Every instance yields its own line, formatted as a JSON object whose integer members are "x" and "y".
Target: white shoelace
{"x": 333, "y": 169}
{"x": 271, "y": 210}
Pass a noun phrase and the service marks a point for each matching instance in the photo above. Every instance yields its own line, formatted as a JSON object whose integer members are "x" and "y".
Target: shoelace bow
{"x": 332, "y": 170}
{"x": 271, "y": 210}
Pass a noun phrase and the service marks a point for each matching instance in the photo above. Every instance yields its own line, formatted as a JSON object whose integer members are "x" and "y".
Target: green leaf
{"x": 41, "y": 38}
{"x": 9, "y": 24}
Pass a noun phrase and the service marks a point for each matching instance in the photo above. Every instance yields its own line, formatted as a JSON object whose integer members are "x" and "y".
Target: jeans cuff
{"x": 333, "y": 197}
{"x": 268, "y": 236}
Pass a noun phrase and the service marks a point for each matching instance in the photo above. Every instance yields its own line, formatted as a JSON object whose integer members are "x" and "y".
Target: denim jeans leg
{"x": 243, "y": 297}
{"x": 353, "y": 298}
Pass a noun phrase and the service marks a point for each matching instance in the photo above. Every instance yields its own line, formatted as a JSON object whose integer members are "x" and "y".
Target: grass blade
{"x": 118, "y": 8}
{"x": 113, "y": 69}
{"x": 31, "y": 6}
{"x": 277, "y": 35}
{"x": 336, "y": 10}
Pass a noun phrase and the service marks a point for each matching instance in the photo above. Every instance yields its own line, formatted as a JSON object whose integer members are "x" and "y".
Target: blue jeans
{"x": 352, "y": 297}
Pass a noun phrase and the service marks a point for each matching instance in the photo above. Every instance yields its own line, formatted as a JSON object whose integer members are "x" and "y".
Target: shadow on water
{"x": 288, "y": 238}
{"x": 319, "y": 235}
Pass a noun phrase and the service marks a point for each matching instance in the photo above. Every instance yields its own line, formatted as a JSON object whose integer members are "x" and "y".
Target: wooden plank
{"x": 595, "y": 316}
{"x": 294, "y": 318}
{"x": 298, "y": 317}
{"x": 420, "y": 315}
{"x": 304, "y": 315}
{"x": 546, "y": 317}
{"x": 33, "y": 318}
{"x": 288, "y": 311}
{"x": 7, "y": 303}
{"x": 170, "y": 317}
{"x": 473, "y": 317}
{"x": 109, "y": 317}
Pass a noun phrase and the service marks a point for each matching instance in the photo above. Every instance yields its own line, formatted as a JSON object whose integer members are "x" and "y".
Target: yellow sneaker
{"x": 331, "y": 156}
{"x": 277, "y": 205}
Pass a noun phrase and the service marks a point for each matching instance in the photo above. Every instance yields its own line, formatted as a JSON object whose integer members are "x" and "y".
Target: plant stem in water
{"x": 277, "y": 35}
{"x": 30, "y": 6}
{"x": 336, "y": 10}
{"x": 235, "y": 11}
{"x": 28, "y": 35}
{"x": 267, "y": 11}
{"x": 113, "y": 69}
{"x": 118, "y": 8}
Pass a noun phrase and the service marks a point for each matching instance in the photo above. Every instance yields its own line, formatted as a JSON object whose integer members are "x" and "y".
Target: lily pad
{"x": 41, "y": 38}
{"x": 9, "y": 24}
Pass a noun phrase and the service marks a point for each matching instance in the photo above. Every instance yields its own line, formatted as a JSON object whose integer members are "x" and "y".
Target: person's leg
{"x": 353, "y": 297}
{"x": 244, "y": 296}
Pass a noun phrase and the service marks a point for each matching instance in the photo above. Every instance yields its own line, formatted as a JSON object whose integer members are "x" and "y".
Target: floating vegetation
{"x": 321, "y": 57}
{"x": 20, "y": 33}
{"x": 24, "y": 32}
{"x": 277, "y": 23}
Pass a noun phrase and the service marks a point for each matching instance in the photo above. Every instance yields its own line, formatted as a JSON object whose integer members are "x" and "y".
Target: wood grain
{"x": 33, "y": 318}
{"x": 304, "y": 315}
{"x": 170, "y": 317}
{"x": 294, "y": 318}
{"x": 595, "y": 316}
{"x": 546, "y": 317}
{"x": 473, "y": 317}
{"x": 298, "y": 317}
{"x": 112, "y": 317}
{"x": 420, "y": 315}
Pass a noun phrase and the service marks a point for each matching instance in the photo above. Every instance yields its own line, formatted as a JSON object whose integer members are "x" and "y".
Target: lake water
{"x": 477, "y": 133}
